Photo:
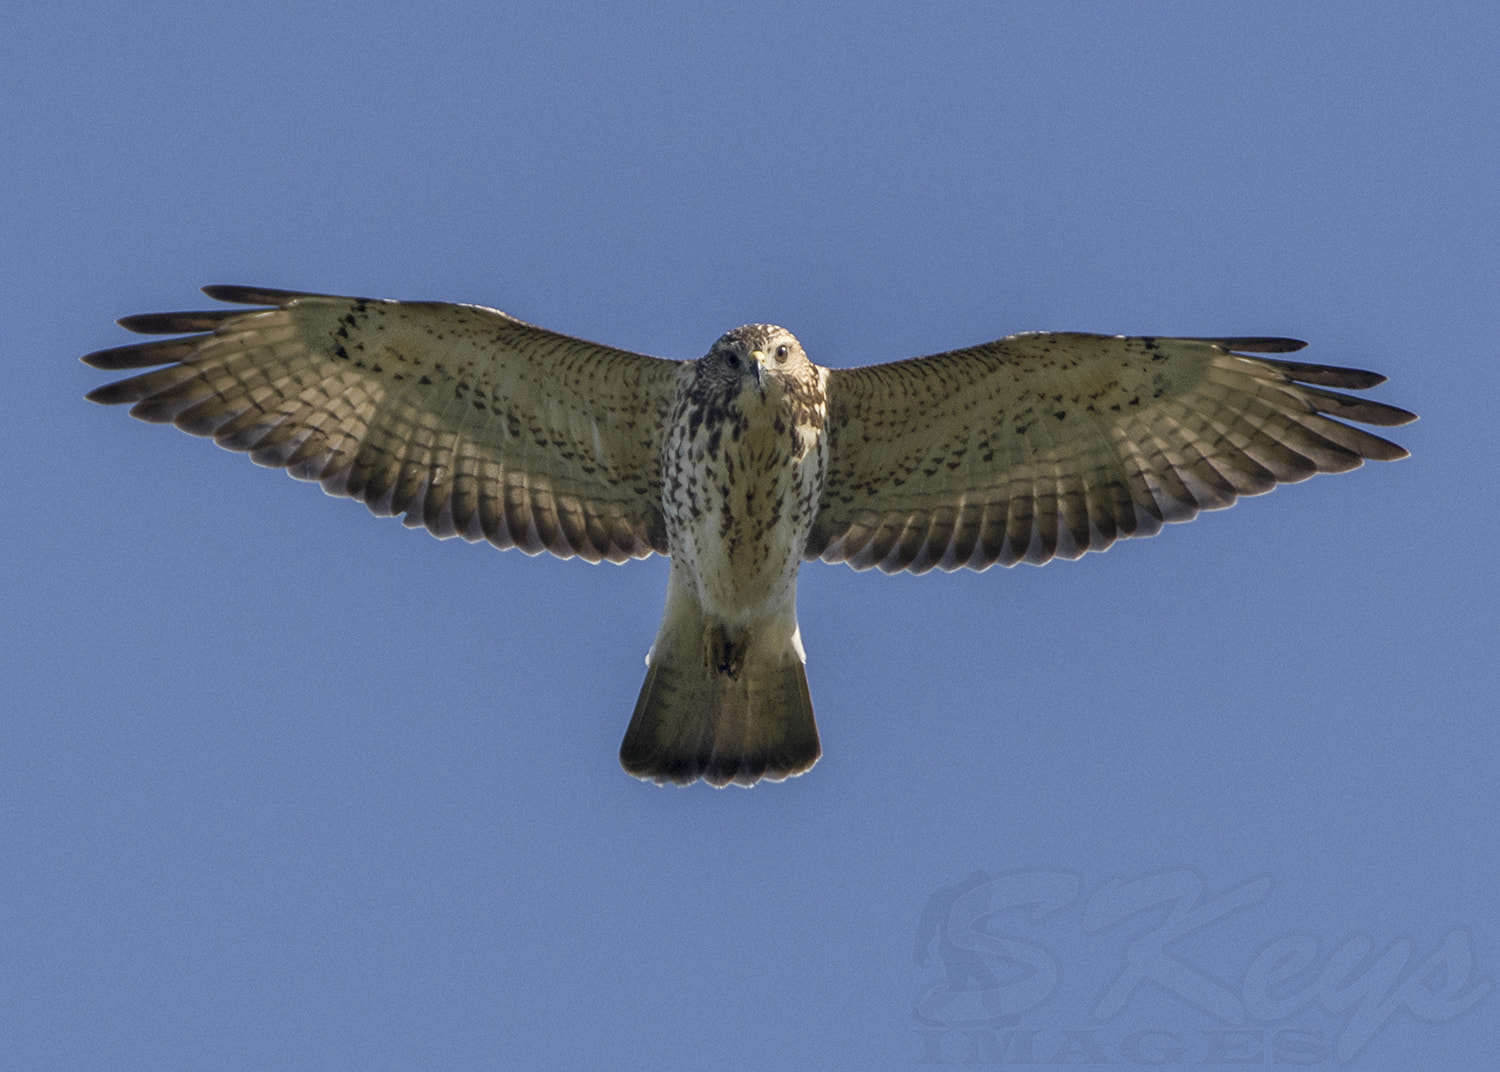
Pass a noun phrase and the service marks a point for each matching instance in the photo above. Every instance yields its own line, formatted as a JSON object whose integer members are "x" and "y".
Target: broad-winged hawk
{"x": 743, "y": 464}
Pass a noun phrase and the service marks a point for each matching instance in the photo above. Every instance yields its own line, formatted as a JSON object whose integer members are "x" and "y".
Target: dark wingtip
{"x": 176, "y": 323}
{"x": 238, "y": 295}
{"x": 111, "y": 394}
{"x": 1350, "y": 379}
{"x": 1397, "y": 416}
{"x": 1259, "y": 344}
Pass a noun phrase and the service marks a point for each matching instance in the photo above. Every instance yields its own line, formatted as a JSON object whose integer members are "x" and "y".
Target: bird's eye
{"x": 781, "y": 353}
{"x": 732, "y": 359}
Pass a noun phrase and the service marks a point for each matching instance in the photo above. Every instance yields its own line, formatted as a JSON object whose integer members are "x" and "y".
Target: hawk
{"x": 743, "y": 464}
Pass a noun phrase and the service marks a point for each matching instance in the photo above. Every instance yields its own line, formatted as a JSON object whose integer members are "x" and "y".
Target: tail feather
{"x": 707, "y": 711}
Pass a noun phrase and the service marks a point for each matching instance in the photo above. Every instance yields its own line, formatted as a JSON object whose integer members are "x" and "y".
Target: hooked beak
{"x": 759, "y": 357}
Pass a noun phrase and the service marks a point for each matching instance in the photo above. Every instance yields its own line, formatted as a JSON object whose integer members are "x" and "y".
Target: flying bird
{"x": 743, "y": 464}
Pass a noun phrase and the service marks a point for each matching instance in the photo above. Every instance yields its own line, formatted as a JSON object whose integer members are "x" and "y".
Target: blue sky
{"x": 283, "y": 785}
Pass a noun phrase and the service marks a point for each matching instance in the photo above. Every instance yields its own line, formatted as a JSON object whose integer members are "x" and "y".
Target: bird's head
{"x": 760, "y": 355}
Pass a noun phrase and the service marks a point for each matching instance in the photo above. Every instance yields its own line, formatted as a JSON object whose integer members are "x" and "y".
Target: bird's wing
{"x": 464, "y": 419}
{"x": 1052, "y": 444}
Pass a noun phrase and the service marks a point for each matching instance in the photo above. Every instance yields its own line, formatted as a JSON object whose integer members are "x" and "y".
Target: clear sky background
{"x": 283, "y": 785}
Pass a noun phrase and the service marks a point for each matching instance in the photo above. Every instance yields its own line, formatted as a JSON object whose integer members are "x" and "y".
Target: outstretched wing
{"x": 466, "y": 420}
{"x": 1050, "y": 444}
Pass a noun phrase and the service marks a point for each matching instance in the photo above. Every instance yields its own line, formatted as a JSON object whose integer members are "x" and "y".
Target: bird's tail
{"x": 721, "y": 705}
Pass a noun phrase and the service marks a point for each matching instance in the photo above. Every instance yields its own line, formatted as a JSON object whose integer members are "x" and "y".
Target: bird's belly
{"x": 744, "y": 550}
{"x": 741, "y": 536}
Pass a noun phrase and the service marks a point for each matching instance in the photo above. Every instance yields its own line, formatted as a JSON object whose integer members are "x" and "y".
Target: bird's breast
{"x": 741, "y": 487}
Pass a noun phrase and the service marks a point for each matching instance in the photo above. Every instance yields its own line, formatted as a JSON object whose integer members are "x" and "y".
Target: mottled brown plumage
{"x": 742, "y": 464}
{"x": 725, "y": 696}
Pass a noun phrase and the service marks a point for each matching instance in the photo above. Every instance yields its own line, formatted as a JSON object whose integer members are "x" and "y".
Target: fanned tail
{"x": 719, "y": 708}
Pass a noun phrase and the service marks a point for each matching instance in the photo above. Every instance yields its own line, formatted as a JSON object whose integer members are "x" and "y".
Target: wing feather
{"x": 463, "y": 419}
{"x": 1053, "y": 444}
